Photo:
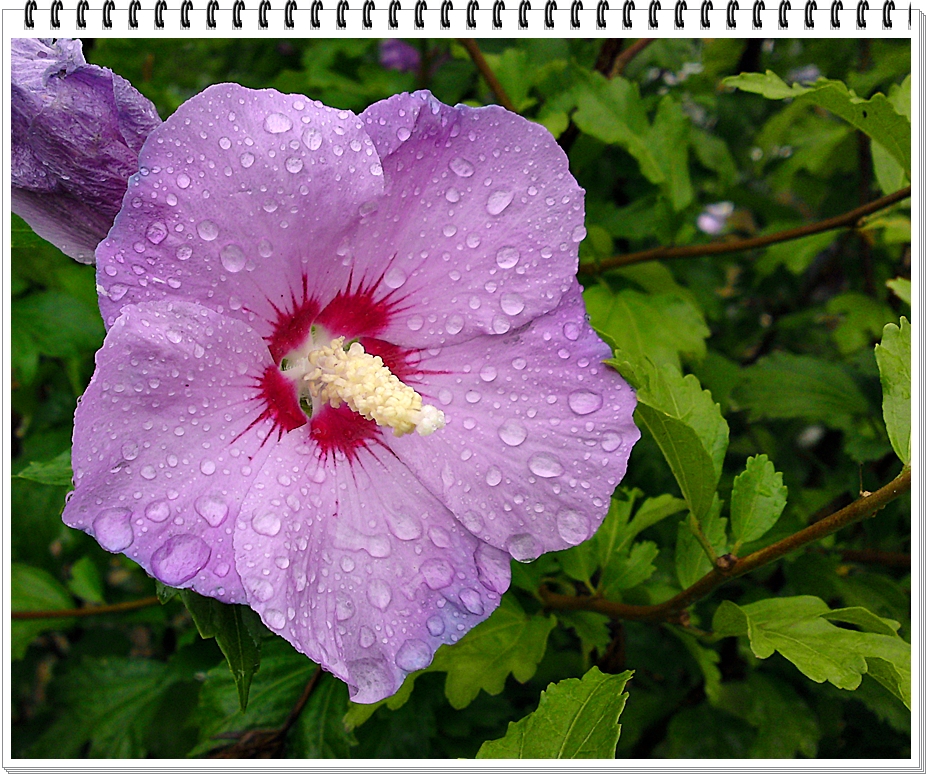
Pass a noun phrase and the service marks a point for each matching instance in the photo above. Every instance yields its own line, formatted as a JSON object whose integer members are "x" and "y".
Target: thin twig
{"x": 850, "y": 219}
{"x": 627, "y": 55}
{"x": 487, "y": 72}
{"x": 86, "y": 611}
{"x": 672, "y": 609}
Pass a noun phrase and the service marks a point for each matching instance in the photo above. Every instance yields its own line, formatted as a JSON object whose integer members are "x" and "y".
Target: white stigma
{"x": 363, "y": 382}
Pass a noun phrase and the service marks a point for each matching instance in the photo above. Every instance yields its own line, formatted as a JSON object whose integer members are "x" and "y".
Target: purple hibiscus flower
{"x": 76, "y": 130}
{"x": 348, "y": 374}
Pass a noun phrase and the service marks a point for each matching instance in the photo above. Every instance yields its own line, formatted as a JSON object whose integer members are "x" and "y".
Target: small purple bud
{"x": 396, "y": 54}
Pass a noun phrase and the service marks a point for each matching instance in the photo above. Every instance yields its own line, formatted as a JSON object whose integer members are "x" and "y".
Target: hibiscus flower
{"x": 348, "y": 375}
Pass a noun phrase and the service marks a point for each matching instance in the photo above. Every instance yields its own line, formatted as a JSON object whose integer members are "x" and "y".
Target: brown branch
{"x": 729, "y": 567}
{"x": 850, "y": 219}
{"x": 487, "y": 72}
{"x": 627, "y": 55}
{"x": 86, "y": 611}
{"x": 877, "y": 557}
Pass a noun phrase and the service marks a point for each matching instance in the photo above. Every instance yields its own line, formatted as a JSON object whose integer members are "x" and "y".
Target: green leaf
{"x": 320, "y": 729}
{"x": 876, "y": 117}
{"x": 57, "y": 471}
{"x": 901, "y": 287}
{"x": 110, "y": 702}
{"x": 690, "y": 558}
{"x": 795, "y": 255}
{"x": 799, "y": 629}
{"x": 686, "y": 424}
{"x": 629, "y": 571}
{"x": 889, "y": 172}
{"x": 237, "y": 630}
{"x": 60, "y": 325}
{"x": 662, "y": 327}
{"x": 575, "y": 718}
{"x": 21, "y": 234}
{"x": 86, "y": 581}
{"x": 893, "y": 356}
{"x": 784, "y": 385}
{"x": 862, "y": 319}
{"x": 276, "y": 687}
{"x": 31, "y": 590}
{"x": 670, "y": 139}
{"x": 508, "y": 642}
{"x": 708, "y": 661}
{"x": 591, "y": 628}
{"x": 757, "y": 500}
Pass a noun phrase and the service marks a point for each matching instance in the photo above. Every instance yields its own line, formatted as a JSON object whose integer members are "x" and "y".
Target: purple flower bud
{"x": 77, "y": 130}
{"x": 396, "y": 54}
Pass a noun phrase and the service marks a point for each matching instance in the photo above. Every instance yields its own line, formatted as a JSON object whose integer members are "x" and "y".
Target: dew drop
{"x": 445, "y": 396}
{"x": 413, "y": 655}
{"x": 148, "y": 472}
{"x": 471, "y": 600}
{"x": 435, "y": 624}
{"x": 404, "y": 526}
{"x": 403, "y": 134}
{"x": 247, "y": 159}
{"x": 265, "y": 249}
{"x": 294, "y": 164}
{"x": 130, "y": 451}
{"x": 492, "y": 568}
{"x": 449, "y": 230}
{"x": 179, "y": 559}
{"x": 511, "y": 304}
{"x": 572, "y": 330}
{"x": 519, "y": 363}
{"x": 183, "y": 180}
{"x": 158, "y": 511}
{"x": 498, "y": 201}
{"x": 113, "y": 529}
{"x": 584, "y": 402}
{"x": 232, "y": 257}
{"x": 612, "y": 440}
{"x": 224, "y": 143}
{"x": 183, "y": 252}
{"x": 262, "y": 590}
{"x": 461, "y": 167}
{"x": 454, "y": 324}
{"x": 379, "y": 594}
{"x": 500, "y": 324}
{"x": 488, "y": 373}
{"x": 266, "y": 524}
{"x": 207, "y": 467}
{"x": 545, "y": 465}
{"x": 523, "y": 547}
{"x": 453, "y": 195}
{"x": 312, "y": 139}
{"x": 494, "y": 476}
{"x": 437, "y": 573}
{"x": 394, "y": 277}
{"x": 207, "y": 230}
{"x": 415, "y": 322}
{"x": 512, "y": 433}
{"x": 156, "y": 232}
{"x": 573, "y": 526}
{"x": 507, "y": 257}
{"x": 212, "y": 509}
{"x": 275, "y": 619}
{"x": 117, "y": 291}
{"x": 578, "y": 233}
{"x": 366, "y": 637}
{"x": 344, "y": 607}
{"x": 275, "y": 123}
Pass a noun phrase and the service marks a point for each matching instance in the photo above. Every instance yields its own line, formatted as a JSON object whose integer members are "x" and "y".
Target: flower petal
{"x": 360, "y": 567}
{"x": 538, "y": 433}
{"x": 481, "y": 213}
{"x": 243, "y": 200}
{"x": 166, "y": 443}
{"x": 76, "y": 133}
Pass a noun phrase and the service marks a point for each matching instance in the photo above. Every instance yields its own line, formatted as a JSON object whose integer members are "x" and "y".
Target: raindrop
{"x": 471, "y": 600}
{"x": 512, "y": 304}
{"x": 275, "y": 619}
{"x": 445, "y": 396}
{"x": 232, "y": 257}
{"x": 498, "y": 202}
{"x": 545, "y": 465}
{"x": 266, "y": 524}
{"x": 275, "y": 123}
{"x": 435, "y": 624}
{"x": 573, "y": 527}
{"x": 612, "y": 440}
{"x": 117, "y": 291}
{"x": 584, "y": 402}
{"x": 294, "y": 164}
{"x": 344, "y": 607}
{"x": 157, "y": 231}
{"x": 347, "y": 563}
{"x": 224, "y": 143}
{"x": 415, "y": 322}
{"x": 512, "y": 433}
{"x": 394, "y": 277}
{"x": 472, "y": 397}
{"x": 523, "y": 547}
{"x": 403, "y": 134}
{"x": 212, "y": 509}
{"x": 366, "y": 637}
{"x": 572, "y": 330}
{"x": 262, "y": 590}
{"x": 179, "y": 559}
{"x": 130, "y": 451}
{"x": 461, "y": 167}
{"x": 454, "y": 324}
{"x": 578, "y": 233}
{"x": 184, "y": 252}
{"x": 404, "y": 526}
{"x": 500, "y": 324}
{"x": 174, "y": 336}
{"x": 207, "y": 230}
{"x": 494, "y": 476}
{"x": 312, "y": 138}
{"x": 113, "y": 529}
{"x": 158, "y": 511}
{"x": 488, "y": 373}
{"x": 449, "y": 230}
{"x": 453, "y": 195}
{"x": 519, "y": 363}
{"x": 265, "y": 249}
{"x": 247, "y": 159}
{"x": 379, "y": 594}
{"x": 207, "y": 467}
{"x": 492, "y": 568}
{"x": 148, "y": 472}
{"x": 413, "y": 655}
{"x": 507, "y": 257}
{"x": 183, "y": 180}
{"x": 437, "y": 573}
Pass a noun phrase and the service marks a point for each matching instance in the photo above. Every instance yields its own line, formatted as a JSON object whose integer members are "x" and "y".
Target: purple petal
{"x": 360, "y": 567}
{"x": 76, "y": 133}
{"x": 538, "y": 433}
{"x": 167, "y": 443}
{"x": 481, "y": 214}
{"x": 243, "y": 202}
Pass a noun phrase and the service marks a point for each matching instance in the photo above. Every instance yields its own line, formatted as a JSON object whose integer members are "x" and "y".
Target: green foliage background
{"x": 778, "y": 422}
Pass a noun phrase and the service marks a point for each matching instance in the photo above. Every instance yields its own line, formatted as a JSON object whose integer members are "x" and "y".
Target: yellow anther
{"x": 367, "y": 386}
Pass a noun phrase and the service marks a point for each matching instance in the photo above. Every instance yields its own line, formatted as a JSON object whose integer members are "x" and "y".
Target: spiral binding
{"x": 418, "y": 10}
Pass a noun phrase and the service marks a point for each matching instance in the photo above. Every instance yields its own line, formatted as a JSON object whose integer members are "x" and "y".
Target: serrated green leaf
{"x": 320, "y": 730}
{"x": 798, "y": 628}
{"x": 276, "y": 687}
{"x": 757, "y": 500}
{"x": 661, "y": 326}
{"x": 651, "y": 512}
{"x": 237, "y": 630}
{"x": 630, "y": 570}
{"x": 708, "y": 661}
{"x": 109, "y": 702}
{"x": 893, "y": 356}
{"x": 861, "y": 317}
{"x": 867, "y": 620}
{"x": 876, "y": 117}
{"x": 784, "y": 385}
{"x": 669, "y": 139}
{"x": 508, "y": 642}
{"x": 795, "y": 255}
{"x": 57, "y": 471}
{"x": 575, "y": 718}
{"x": 690, "y": 558}
{"x": 591, "y": 628}
{"x": 35, "y": 590}
{"x": 86, "y": 581}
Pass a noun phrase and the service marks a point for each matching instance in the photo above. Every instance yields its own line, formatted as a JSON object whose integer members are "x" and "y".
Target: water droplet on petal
{"x": 266, "y": 524}
{"x": 413, "y": 655}
{"x": 394, "y": 277}
{"x": 404, "y": 526}
{"x": 130, "y": 451}
{"x": 612, "y": 440}
{"x": 207, "y": 230}
{"x": 312, "y": 138}
{"x": 461, "y": 167}
{"x": 494, "y": 476}
{"x": 403, "y": 134}
{"x": 224, "y": 143}
{"x": 573, "y": 526}
{"x": 275, "y": 123}
{"x": 492, "y": 568}
{"x": 117, "y": 291}
{"x": 437, "y": 573}
{"x": 262, "y": 590}
{"x": 294, "y": 164}
{"x": 584, "y": 402}
{"x": 247, "y": 159}
{"x": 156, "y": 232}
{"x": 578, "y": 234}
{"x": 507, "y": 257}
{"x": 379, "y": 594}
{"x": 366, "y": 637}
{"x": 184, "y": 252}
{"x": 158, "y": 511}
{"x": 572, "y": 330}
{"x": 488, "y": 373}
{"x": 545, "y": 465}
{"x": 498, "y": 201}
{"x": 471, "y": 600}
{"x": 454, "y": 324}
{"x": 523, "y": 547}
{"x": 207, "y": 467}
{"x": 512, "y": 433}
{"x": 212, "y": 509}
{"x": 113, "y": 529}
{"x": 370, "y": 680}
{"x": 183, "y": 180}
{"x": 265, "y": 249}
{"x": 148, "y": 472}
{"x": 344, "y": 607}
{"x": 415, "y": 322}
{"x": 511, "y": 304}
{"x": 275, "y": 619}
{"x": 453, "y": 195}
{"x": 232, "y": 257}
{"x": 500, "y": 324}
{"x": 435, "y": 624}
{"x": 179, "y": 559}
